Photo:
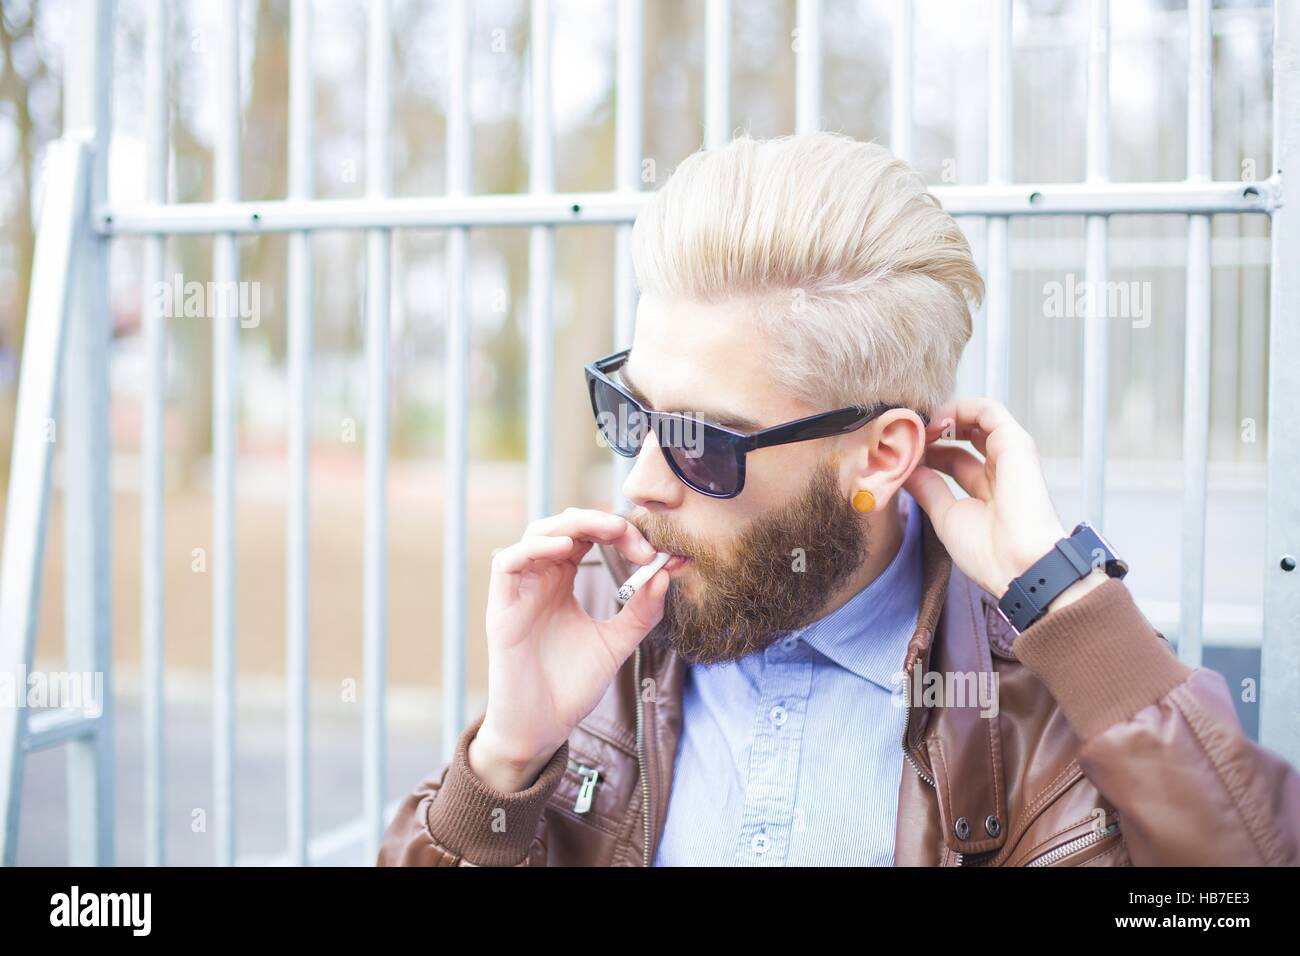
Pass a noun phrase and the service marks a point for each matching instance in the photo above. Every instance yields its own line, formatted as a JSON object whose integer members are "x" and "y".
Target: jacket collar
{"x": 868, "y": 634}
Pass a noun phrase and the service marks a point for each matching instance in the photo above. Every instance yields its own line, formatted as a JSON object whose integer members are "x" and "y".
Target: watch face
{"x": 1113, "y": 558}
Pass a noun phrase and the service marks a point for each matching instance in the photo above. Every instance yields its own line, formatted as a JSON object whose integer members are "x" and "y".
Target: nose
{"x": 651, "y": 483}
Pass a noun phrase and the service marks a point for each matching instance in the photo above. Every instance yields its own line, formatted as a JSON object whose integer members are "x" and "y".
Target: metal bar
{"x": 52, "y": 727}
{"x": 628, "y": 122}
{"x": 1127, "y": 199}
{"x": 225, "y": 417}
{"x": 901, "y": 81}
{"x": 58, "y": 241}
{"x": 1280, "y": 654}
{"x": 1196, "y": 372}
{"x": 302, "y": 154}
{"x": 378, "y": 279}
{"x": 997, "y": 308}
{"x": 561, "y": 209}
{"x": 541, "y": 267}
{"x": 153, "y": 485}
{"x": 717, "y": 73}
{"x": 86, "y": 511}
{"x": 455, "y": 456}
{"x": 1096, "y": 327}
{"x": 808, "y": 67}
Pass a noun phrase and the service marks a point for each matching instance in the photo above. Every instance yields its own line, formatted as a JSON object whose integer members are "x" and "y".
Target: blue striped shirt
{"x": 791, "y": 755}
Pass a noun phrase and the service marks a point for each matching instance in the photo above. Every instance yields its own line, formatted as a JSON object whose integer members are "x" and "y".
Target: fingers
{"x": 1011, "y": 463}
{"x": 932, "y": 493}
{"x": 567, "y": 536}
{"x": 626, "y": 629}
{"x": 527, "y": 553}
{"x": 588, "y": 524}
{"x": 987, "y": 414}
{"x": 970, "y": 472}
{"x": 985, "y": 423}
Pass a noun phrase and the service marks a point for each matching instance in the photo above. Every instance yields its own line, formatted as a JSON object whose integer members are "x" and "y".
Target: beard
{"x": 780, "y": 573}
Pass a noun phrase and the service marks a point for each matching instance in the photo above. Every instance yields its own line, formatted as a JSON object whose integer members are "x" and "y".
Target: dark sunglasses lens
{"x": 619, "y": 420}
{"x": 705, "y": 455}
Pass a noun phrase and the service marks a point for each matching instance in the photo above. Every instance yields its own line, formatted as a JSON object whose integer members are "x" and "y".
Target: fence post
{"x": 1279, "y": 666}
{"x": 87, "y": 616}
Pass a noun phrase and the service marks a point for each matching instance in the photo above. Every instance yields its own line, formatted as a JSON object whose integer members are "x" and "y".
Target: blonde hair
{"x": 860, "y": 279}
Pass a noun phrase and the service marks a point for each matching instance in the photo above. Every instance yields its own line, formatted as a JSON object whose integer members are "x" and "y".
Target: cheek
{"x": 774, "y": 476}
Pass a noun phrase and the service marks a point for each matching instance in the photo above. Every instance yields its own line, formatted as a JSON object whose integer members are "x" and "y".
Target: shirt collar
{"x": 868, "y": 634}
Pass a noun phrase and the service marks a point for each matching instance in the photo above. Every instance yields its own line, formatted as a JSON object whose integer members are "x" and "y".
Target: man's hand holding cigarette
{"x": 549, "y": 663}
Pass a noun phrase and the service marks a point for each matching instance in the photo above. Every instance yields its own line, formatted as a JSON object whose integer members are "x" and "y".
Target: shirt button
{"x": 760, "y": 843}
{"x": 789, "y": 642}
{"x": 778, "y": 715}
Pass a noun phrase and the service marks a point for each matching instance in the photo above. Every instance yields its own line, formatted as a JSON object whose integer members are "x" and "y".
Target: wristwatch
{"x": 1070, "y": 560}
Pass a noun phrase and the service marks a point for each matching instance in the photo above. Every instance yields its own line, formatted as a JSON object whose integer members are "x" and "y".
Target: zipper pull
{"x": 589, "y": 778}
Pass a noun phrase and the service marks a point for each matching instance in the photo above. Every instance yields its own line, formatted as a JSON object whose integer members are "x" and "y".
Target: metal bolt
{"x": 1288, "y": 563}
{"x": 992, "y": 825}
{"x": 962, "y": 828}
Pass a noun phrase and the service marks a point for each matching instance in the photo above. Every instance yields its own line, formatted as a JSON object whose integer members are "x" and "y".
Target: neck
{"x": 884, "y": 531}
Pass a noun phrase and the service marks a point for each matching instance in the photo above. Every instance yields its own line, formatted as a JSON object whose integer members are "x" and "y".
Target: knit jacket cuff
{"x": 1100, "y": 659}
{"x": 481, "y": 824}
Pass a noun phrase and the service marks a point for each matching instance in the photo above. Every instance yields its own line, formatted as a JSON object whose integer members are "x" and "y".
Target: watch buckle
{"x": 1003, "y": 614}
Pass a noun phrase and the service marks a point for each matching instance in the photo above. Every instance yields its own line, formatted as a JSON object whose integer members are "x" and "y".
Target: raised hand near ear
{"x": 1008, "y": 522}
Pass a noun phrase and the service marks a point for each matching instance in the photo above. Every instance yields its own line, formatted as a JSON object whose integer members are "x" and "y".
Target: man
{"x": 823, "y": 673}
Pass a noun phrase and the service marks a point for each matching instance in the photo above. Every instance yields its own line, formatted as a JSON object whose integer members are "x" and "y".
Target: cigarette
{"x": 642, "y": 575}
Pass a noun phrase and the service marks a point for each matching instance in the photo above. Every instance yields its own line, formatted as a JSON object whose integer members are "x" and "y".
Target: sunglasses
{"x": 707, "y": 458}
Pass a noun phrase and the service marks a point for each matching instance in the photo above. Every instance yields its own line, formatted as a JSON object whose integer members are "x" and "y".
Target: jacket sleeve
{"x": 1161, "y": 740}
{"x": 453, "y": 818}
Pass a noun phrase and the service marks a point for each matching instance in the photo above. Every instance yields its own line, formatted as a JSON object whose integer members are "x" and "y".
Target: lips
{"x": 675, "y": 562}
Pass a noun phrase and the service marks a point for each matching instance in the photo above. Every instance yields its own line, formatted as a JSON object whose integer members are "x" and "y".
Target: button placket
{"x": 773, "y": 771}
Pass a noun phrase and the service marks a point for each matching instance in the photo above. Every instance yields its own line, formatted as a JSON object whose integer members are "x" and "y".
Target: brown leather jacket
{"x": 1105, "y": 750}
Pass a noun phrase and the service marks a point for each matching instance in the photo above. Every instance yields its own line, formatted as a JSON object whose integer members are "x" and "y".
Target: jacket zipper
{"x": 640, "y": 762}
{"x": 589, "y": 777}
{"x": 1078, "y": 843}
{"x": 907, "y": 714}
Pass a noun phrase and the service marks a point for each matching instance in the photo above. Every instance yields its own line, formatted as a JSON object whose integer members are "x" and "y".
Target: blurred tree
{"x": 23, "y": 75}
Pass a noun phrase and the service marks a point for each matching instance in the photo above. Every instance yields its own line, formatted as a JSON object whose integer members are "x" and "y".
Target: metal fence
{"x": 66, "y": 351}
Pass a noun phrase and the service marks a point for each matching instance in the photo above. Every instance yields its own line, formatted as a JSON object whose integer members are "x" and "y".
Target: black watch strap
{"x": 1069, "y": 560}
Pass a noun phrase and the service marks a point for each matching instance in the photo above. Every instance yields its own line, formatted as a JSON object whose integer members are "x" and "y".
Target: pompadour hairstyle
{"x": 858, "y": 278}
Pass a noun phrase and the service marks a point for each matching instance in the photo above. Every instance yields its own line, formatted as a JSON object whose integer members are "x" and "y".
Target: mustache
{"x": 661, "y": 536}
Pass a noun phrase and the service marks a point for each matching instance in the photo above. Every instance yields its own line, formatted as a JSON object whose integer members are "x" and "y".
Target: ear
{"x": 887, "y": 454}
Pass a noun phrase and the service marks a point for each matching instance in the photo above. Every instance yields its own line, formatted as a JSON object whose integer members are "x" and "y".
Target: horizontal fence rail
{"x": 558, "y": 209}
